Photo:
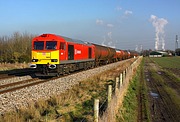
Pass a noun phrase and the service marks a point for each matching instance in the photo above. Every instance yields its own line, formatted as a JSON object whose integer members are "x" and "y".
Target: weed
{"x": 128, "y": 111}
{"x": 73, "y": 105}
{"x": 172, "y": 93}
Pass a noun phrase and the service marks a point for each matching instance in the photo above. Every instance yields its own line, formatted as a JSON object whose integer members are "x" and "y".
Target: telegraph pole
{"x": 176, "y": 46}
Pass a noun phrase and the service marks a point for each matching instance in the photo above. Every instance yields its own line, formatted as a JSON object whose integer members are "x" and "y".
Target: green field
{"x": 168, "y": 62}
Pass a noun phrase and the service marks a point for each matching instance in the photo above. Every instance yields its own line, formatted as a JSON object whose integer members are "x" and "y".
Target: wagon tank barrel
{"x": 104, "y": 53}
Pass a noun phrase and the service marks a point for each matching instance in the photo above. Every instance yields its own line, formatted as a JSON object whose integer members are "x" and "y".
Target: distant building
{"x": 158, "y": 54}
{"x": 177, "y": 51}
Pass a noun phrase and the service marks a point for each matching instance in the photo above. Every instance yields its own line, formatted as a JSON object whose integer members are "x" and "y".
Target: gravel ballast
{"x": 21, "y": 98}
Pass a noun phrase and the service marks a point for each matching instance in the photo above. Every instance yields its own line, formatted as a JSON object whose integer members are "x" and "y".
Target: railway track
{"x": 13, "y": 100}
{"x": 5, "y": 76}
{"x": 17, "y": 85}
{"x": 15, "y": 73}
{"x": 9, "y": 87}
{"x": 21, "y": 84}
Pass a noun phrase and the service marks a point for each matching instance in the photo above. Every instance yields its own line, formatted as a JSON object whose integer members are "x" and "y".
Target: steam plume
{"x": 108, "y": 41}
{"x": 159, "y": 24}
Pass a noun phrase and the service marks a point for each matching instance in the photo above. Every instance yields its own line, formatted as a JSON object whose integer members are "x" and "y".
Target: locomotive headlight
{"x": 34, "y": 60}
{"x": 54, "y": 60}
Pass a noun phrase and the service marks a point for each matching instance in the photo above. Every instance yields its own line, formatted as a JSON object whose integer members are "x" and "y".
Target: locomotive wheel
{"x": 58, "y": 75}
{"x": 67, "y": 70}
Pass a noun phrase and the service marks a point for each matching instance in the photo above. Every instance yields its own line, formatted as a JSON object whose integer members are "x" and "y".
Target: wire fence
{"x": 109, "y": 108}
{"x": 118, "y": 88}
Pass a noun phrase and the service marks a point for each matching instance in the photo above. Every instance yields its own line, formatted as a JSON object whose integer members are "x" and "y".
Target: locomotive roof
{"x": 75, "y": 40}
{"x": 67, "y": 39}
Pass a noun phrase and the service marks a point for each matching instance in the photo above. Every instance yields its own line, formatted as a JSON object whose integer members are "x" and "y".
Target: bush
{"x": 16, "y": 48}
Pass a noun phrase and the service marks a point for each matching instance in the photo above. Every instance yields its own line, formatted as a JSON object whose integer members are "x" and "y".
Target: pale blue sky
{"x": 120, "y": 23}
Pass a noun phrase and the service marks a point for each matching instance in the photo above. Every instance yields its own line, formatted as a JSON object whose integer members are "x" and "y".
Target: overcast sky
{"x": 124, "y": 24}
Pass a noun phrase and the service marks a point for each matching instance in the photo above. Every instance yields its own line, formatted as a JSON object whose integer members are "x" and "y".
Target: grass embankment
{"x": 168, "y": 62}
{"x": 173, "y": 94}
{"x": 138, "y": 109}
{"x": 168, "y": 80}
{"x": 134, "y": 106}
{"x": 75, "y": 104}
{"x": 170, "y": 65}
{"x": 164, "y": 80}
{"x": 128, "y": 112}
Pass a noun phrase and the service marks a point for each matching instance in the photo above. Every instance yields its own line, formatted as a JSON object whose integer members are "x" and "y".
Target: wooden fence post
{"x": 124, "y": 76}
{"x": 109, "y": 93}
{"x": 117, "y": 85}
{"x": 96, "y": 110}
{"x": 121, "y": 79}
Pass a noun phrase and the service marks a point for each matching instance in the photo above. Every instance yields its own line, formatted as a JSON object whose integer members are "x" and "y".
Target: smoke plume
{"x": 159, "y": 24}
{"x": 108, "y": 41}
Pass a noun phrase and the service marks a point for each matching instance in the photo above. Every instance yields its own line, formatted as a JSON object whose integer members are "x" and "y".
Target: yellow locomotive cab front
{"x": 45, "y": 57}
{"x": 45, "y": 53}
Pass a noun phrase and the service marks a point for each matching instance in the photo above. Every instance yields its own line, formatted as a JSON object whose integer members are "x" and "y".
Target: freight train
{"x": 55, "y": 55}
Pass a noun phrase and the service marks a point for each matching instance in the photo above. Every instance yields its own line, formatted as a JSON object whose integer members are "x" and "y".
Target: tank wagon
{"x": 54, "y": 55}
{"x": 133, "y": 54}
{"x": 119, "y": 55}
{"x": 104, "y": 55}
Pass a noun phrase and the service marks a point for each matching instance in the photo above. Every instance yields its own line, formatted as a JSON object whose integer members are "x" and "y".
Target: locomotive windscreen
{"x": 51, "y": 45}
{"x": 38, "y": 45}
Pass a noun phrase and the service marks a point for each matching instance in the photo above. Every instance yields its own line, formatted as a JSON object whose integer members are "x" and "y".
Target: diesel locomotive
{"x": 55, "y": 55}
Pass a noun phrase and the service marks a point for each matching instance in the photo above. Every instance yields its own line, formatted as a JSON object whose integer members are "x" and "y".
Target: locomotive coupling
{"x": 33, "y": 66}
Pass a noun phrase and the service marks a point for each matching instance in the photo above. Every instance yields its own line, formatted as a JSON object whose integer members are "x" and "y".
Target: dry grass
{"x": 71, "y": 105}
{"x": 74, "y": 104}
{"x": 9, "y": 66}
{"x": 116, "y": 102}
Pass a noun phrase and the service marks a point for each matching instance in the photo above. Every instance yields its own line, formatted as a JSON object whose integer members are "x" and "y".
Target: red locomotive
{"x": 53, "y": 55}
